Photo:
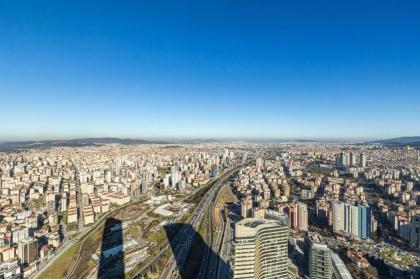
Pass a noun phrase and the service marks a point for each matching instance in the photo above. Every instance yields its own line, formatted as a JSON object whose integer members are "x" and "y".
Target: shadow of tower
{"x": 111, "y": 261}
{"x": 189, "y": 261}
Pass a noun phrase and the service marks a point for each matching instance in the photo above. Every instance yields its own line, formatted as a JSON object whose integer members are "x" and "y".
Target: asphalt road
{"x": 181, "y": 251}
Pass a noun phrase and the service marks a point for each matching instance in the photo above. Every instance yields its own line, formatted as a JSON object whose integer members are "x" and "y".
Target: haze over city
{"x": 227, "y": 69}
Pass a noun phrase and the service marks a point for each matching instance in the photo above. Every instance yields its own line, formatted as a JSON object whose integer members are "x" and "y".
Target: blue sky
{"x": 144, "y": 69}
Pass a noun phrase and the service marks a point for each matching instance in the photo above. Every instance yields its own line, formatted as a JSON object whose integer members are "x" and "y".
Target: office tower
{"x": 365, "y": 222}
{"x": 362, "y": 160}
{"x": 318, "y": 257}
{"x": 261, "y": 248}
{"x": 338, "y": 216}
{"x": 352, "y": 159}
{"x": 415, "y": 232}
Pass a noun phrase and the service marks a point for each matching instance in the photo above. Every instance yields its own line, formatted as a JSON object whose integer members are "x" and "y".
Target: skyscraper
{"x": 352, "y": 159}
{"x": 415, "y": 232}
{"x": 298, "y": 216}
{"x": 344, "y": 159}
{"x": 259, "y": 163}
{"x": 261, "y": 248}
{"x": 352, "y": 220}
{"x": 362, "y": 160}
{"x": 318, "y": 257}
{"x": 293, "y": 216}
{"x": 303, "y": 216}
{"x": 338, "y": 216}
{"x": 246, "y": 208}
{"x": 365, "y": 222}
{"x": 28, "y": 250}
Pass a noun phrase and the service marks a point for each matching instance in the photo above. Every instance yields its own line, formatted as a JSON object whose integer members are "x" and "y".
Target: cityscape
{"x": 211, "y": 210}
{"x": 209, "y": 139}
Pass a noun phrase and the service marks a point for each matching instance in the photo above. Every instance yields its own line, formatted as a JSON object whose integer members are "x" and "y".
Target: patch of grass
{"x": 155, "y": 237}
{"x": 316, "y": 169}
{"x": 133, "y": 231}
{"x": 61, "y": 266}
{"x": 86, "y": 263}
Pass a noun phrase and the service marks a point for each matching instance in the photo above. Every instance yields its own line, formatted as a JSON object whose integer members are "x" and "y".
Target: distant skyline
{"x": 209, "y": 69}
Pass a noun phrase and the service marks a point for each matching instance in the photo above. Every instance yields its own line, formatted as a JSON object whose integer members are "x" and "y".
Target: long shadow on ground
{"x": 111, "y": 261}
{"x": 189, "y": 261}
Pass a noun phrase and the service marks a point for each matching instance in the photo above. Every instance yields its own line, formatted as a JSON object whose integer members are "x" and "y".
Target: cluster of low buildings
{"x": 47, "y": 194}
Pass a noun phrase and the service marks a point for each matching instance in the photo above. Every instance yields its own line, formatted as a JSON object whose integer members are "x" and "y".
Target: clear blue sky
{"x": 311, "y": 69}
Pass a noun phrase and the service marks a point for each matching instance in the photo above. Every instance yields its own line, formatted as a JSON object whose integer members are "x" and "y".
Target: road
{"x": 185, "y": 236}
{"x": 78, "y": 198}
{"x": 225, "y": 254}
{"x": 180, "y": 252}
{"x": 213, "y": 241}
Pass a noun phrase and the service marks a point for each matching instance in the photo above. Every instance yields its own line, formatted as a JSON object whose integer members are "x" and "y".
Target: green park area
{"x": 398, "y": 258}
{"x": 314, "y": 168}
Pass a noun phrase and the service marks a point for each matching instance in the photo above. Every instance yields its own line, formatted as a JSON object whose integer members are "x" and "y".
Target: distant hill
{"x": 24, "y": 145}
{"x": 412, "y": 141}
{"x": 197, "y": 141}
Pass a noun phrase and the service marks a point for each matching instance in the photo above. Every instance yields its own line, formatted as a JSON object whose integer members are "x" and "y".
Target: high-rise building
{"x": 415, "y": 232}
{"x": 344, "y": 159}
{"x": 338, "y": 216}
{"x": 293, "y": 216}
{"x": 246, "y": 208}
{"x": 214, "y": 169}
{"x": 409, "y": 186}
{"x": 28, "y": 250}
{"x": 261, "y": 248}
{"x": 318, "y": 257}
{"x": 298, "y": 216}
{"x": 143, "y": 187}
{"x": 352, "y": 220}
{"x": 362, "y": 160}
{"x": 259, "y": 163}
{"x": 352, "y": 159}
{"x": 303, "y": 216}
{"x": 365, "y": 222}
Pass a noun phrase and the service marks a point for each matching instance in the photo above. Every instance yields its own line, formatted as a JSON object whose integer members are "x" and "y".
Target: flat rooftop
{"x": 316, "y": 238}
{"x": 254, "y": 224}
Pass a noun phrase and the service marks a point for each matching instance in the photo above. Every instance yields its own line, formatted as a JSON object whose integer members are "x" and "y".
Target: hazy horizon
{"x": 198, "y": 138}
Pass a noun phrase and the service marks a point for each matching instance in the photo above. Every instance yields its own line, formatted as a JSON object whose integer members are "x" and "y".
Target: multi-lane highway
{"x": 182, "y": 242}
{"x": 214, "y": 236}
{"x": 80, "y": 222}
{"x": 225, "y": 253}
